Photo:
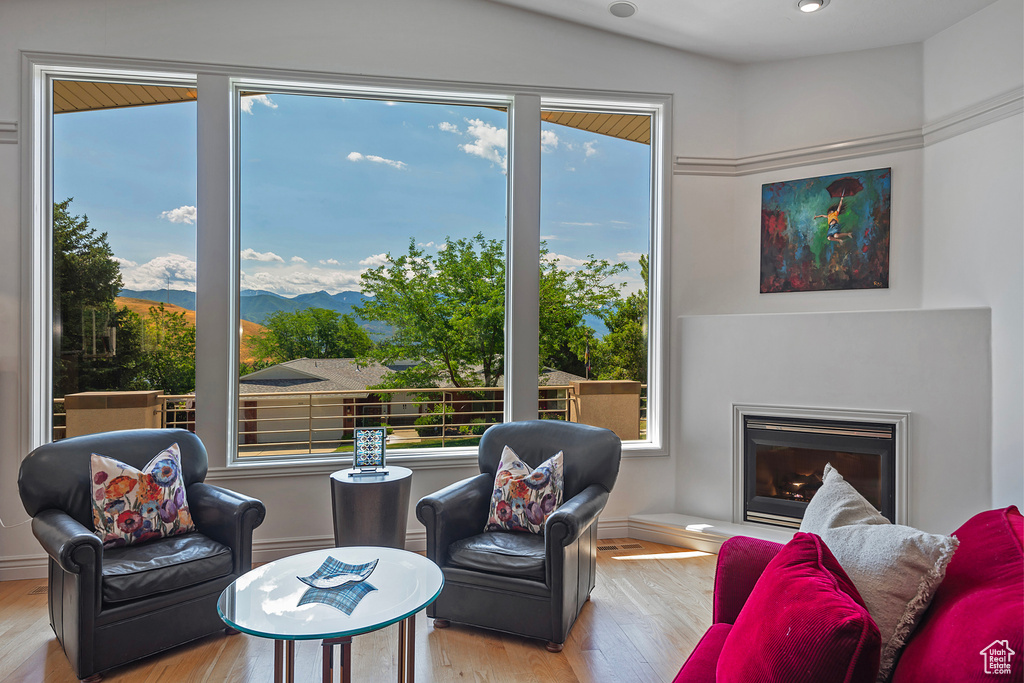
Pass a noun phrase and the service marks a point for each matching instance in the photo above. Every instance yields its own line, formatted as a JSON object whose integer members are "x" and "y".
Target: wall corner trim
{"x": 8, "y": 132}
{"x": 970, "y": 118}
{"x": 801, "y": 156}
{"x": 982, "y": 114}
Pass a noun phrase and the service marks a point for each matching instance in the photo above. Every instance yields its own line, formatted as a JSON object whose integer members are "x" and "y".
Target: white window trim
{"x": 217, "y": 201}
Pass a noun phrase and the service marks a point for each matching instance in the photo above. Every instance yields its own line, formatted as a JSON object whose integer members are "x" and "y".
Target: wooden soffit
{"x": 69, "y": 96}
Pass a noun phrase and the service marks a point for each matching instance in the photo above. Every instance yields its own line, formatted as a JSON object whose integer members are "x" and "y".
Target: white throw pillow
{"x": 895, "y": 568}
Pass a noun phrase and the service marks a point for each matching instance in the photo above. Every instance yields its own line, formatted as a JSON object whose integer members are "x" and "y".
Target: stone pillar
{"x": 612, "y": 404}
{"x": 103, "y": 411}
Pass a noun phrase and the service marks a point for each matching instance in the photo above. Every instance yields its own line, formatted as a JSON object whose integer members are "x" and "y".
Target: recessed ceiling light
{"x": 811, "y": 5}
{"x": 622, "y": 9}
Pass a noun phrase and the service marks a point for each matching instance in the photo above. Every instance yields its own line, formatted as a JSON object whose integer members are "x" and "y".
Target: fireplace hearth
{"x": 783, "y": 457}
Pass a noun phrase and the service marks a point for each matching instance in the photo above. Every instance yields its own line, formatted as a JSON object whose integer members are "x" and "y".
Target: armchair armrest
{"x": 741, "y": 561}
{"x": 456, "y": 511}
{"x": 76, "y": 549}
{"x": 227, "y": 517}
{"x": 572, "y": 518}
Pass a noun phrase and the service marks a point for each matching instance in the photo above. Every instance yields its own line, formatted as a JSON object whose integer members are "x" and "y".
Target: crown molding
{"x": 982, "y": 114}
{"x": 8, "y": 132}
{"x": 968, "y": 119}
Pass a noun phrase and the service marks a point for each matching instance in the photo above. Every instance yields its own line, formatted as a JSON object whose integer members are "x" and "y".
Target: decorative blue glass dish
{"x": 335, "y": 574}
{"x": 338, "y": 584}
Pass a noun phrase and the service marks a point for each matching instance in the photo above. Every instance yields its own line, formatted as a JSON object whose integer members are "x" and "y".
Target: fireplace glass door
{"x": 785, "y": 461}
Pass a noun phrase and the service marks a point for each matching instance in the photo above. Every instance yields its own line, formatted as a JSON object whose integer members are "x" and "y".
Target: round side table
{"x": 371, "y": 509}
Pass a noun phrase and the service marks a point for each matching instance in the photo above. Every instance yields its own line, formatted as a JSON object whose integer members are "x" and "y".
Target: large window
{"x": 359, "y": 254}
{"x": 595, "y": 252}
{"x": 372, "y": 271}
{"x": 123, "y": 255}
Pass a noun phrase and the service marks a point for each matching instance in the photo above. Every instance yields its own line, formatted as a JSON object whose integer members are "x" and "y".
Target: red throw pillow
{"x": 973, "y": 630}
{"x": 804, "y": 622}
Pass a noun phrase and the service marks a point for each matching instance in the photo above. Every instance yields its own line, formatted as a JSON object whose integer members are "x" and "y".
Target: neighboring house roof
{"x": 344, "y": 374}
{"x": 313, "y": 374}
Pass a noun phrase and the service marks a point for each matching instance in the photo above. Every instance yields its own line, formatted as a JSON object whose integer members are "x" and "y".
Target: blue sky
{"x": 328, "y": 185}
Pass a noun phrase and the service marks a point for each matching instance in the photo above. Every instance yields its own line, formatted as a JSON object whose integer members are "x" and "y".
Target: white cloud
{"x": 330, "y": 262}
{"x": 448, "y": 127}
{"x": 628, "y": 256}
{"x": 248, "y": 100}
{"x": 253, "y": 255}
{"x": 374, "y": 261}
{"x": 356, "y": 156}
{"x": 589, "y": 148}
{"x": 290, "y": 280}
{"x": 183, "y": 214}
{"x": 565, "y": 262}
{"x": 550, "y": 237}
{"x": 298, "y": 259}
{"x": 548, "y": 141}
{"x": 174, "y": 269}
{"x": 579, "y": 225}
{"x": 488, "y": 142}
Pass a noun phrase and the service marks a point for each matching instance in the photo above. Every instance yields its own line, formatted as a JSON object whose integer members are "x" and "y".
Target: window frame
{"x": 218, "y": 234}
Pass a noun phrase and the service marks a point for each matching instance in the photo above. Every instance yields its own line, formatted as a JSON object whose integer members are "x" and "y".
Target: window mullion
{"x": 522, "y": 284}
{"x": 216, "y": 271}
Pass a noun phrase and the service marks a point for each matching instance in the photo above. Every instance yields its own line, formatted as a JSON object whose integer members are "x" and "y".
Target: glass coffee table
{"x": 271, "y": 602}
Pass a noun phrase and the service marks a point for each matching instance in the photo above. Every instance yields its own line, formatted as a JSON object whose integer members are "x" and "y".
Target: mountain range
{"x": 257, "y": 305}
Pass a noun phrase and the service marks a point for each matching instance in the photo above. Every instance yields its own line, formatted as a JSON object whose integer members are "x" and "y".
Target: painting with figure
{"x": 826, "y": 233}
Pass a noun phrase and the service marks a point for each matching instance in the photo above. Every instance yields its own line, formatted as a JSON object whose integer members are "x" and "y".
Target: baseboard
{"x": 698, "y": 533}
{"x": 23, "y": 567}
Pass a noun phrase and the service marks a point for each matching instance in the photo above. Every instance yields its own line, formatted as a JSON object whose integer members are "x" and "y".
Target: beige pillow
{"x": 895, "y": 568}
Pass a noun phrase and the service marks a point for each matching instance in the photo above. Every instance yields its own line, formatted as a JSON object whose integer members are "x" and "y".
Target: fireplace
{"x": 783, "y": 457}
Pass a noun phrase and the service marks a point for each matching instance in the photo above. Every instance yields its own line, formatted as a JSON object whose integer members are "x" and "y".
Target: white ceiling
{"x": 766, "y": 30}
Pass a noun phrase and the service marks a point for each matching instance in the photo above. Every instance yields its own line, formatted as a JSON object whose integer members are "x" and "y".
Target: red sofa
{"x": 975, "y": 621}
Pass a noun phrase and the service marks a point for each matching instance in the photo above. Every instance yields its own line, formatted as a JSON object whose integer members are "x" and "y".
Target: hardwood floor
{"x": 651, "y": 605}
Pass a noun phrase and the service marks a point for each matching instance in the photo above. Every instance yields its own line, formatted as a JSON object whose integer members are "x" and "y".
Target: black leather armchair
{"x": 110, "y": 607}
{"x": 521, "y": 583}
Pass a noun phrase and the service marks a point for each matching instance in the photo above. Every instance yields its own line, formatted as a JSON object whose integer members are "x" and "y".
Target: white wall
{"x": 453, "y": 40}
{"x": 933, "y": 364}
{"x": 957, "y": 240}
{"x": 973, "y": 204}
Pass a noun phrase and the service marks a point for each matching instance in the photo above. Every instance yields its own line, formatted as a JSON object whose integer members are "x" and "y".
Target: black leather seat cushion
{"x": 166, "y": 564}
{"x": 508, "y": 553}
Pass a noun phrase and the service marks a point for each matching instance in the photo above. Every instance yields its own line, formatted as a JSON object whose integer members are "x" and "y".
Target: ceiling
{"x": 766, "y": 30}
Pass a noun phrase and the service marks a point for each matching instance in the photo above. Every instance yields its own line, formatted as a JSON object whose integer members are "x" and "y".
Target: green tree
{"x": 310, "y": 333}
{"x": 622, "y": 353}
{"x": 566, "y": 298}
{"x": 86, "y": 278}
{"x": 448, "y": 311}
{"x": 159, "y": 351}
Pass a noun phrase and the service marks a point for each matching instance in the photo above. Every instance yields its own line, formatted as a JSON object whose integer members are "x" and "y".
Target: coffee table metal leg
{"x": 289, "y": 662}
{"x": 278, "y": 661}
{"x": 328, "y": 675}
{"x": 401, "y": 651}
{"x": 411, "y": 651}
{"x": 344, "y": 659}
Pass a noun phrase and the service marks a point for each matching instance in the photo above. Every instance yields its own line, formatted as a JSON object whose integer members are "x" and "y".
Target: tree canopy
{"x": 622, "y": 353}
{"x": 448, "y": 311}
{"x": 309, "y": 333}
{"x": 86, "y": 278}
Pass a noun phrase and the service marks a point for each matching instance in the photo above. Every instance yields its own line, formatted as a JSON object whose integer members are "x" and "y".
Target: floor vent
{"x": 607, "y": 547}
{"x": 632, "y": 546}
{"x": 38, "y": 590}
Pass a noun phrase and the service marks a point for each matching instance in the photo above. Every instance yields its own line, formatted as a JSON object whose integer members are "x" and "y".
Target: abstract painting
{"x": 826, "y": 233}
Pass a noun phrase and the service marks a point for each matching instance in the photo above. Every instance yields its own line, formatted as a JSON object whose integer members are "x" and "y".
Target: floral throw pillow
{"x": 132, "y": 506}
{"x": 523, "y": 498}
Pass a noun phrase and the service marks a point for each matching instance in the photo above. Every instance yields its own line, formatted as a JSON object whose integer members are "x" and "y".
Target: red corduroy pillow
{"x": 803, "y": 622}
{"x": 973, "y": 630}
